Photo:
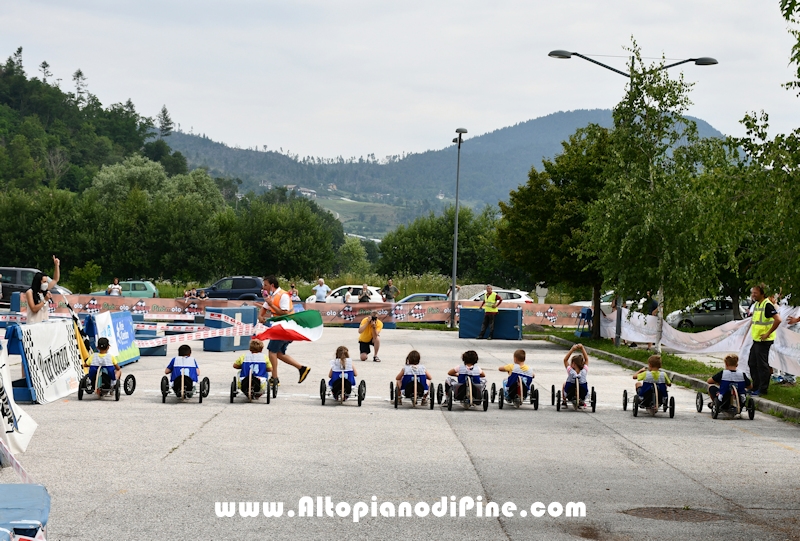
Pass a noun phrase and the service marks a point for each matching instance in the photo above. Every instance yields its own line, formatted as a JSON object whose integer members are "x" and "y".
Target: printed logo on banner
{"x": 551, "y": 315}
{"x": 140, "y": 308}
{"x": 123, "y": 336}
{"x": 92, "y": 307}
{"x": 399, "y": 312}
{"x": 418, "y": 312}
{"x": 347, "y": 313}
{"x": 53, "y": 359}
{"x": 6, "y": 411}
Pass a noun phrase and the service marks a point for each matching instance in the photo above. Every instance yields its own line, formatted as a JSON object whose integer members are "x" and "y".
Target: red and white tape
{"x": 237, "y": 330}
{"x": 168, "y": 327}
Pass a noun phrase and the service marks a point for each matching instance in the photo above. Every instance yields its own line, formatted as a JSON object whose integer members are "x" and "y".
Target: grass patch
{"x": 428, "y": 326}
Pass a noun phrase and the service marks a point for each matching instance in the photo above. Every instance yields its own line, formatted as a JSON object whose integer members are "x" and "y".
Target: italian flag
{"x": 300, "y": 327}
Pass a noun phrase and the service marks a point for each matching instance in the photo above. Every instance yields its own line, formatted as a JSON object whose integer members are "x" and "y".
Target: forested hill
{"x": 492, "y": 164}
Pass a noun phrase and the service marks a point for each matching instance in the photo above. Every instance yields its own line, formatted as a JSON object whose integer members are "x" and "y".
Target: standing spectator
{"x": 114, "y": 289}
{"x": 38, "y": 296}
{"x": 491, "y": 301}
{"x": 364, "y": 296}
{"x": 295, "y": 295}
{"x": 389, "y": 292}
{"x": 369, "y": 333}
{"x": 762, "y": 330}
{"x": 321, "y": 291}
{"x": 650, "y": 308}
{"x": 348, "y": 296}
{"x": 202, "y": 294}
{"x": 278, "y": 302}
{"x": 450, "y": 289}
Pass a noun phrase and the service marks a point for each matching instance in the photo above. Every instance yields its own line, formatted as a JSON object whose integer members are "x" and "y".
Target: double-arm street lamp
{"x": 458, "y": 140}
{"x": 702, "y": 61}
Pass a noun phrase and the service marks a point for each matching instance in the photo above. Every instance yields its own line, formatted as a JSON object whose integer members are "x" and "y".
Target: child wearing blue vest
{"x": 104, "y": 362}
{"x": 342, "y": 373}
{"x": 255, "y": 363}
{"x": 577, "y": 368}
{"x": 719, "y": 385}
{"x": 463, "y": 373}
{"x": 647, "y": 378}
{"x": 183, "y": 365}
{"x": 411, "y": 370}
{"x": 516, "y": 371}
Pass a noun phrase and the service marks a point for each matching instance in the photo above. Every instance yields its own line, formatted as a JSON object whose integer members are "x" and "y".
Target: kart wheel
{"x": 116, "y": 391}
{"x": 274, "y": 386}
{"x": 165, "y": 385}
{"x": 485, "y": 400}
{"x": 130, "y": 384}
{"x": 233, "y": 389}
{"x": 557, "y": 399}
{"x": 269, "y": 394}
{"x": 89, "y": 386}
{"x": 714, "y": 410}
{"x": 635, "y": 407}
{"x": 396, "y": 398}
{"x": 494, "y": 392}
{"x": 391, "y": 391}
{"x": 200, "y": 395}
{"x": 535, "y": 399}
{"x": 594, "y": 400}
{"x": 501, "y": 399}
{"x": 205, "y": 387}
{"x": 163, "y": 398}
{"x": 439, "y": 394}
{"x": 362, "y": 392}
{"x": 553, "y": 395}
{"x": 671, "y": 407}
{"x": 322, "y": 391}
{"x": 80, "y": 387}
{"x": 698, "y": 402}
{"x": 450, "y": 399}
{"x": 751, "y": 407}
{"x": 625, "y": 400}
{"x": 430, "y": 398}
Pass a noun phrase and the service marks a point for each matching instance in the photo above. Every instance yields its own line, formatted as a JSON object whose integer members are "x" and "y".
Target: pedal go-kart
{"x": 651, "y": 401}
{"x": 334, "y": 391}
{"x": 517, "y": 394}
{"x": 470, "y": 394}
{"x": 555, "y": 399}
{"x": 733, "y": 406}
{"x": 414, "y": 394}
{"x": 181, "y": 391}
{"x": 100, "y": 378}
{"x": 253, "y": 388}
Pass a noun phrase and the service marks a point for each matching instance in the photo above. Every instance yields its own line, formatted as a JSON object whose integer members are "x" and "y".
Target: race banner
{"x": 164, "y": 308}
{"x": 18, "y": 427}
{"x": 50, "y": 352}
{"x": 118, "y": 328}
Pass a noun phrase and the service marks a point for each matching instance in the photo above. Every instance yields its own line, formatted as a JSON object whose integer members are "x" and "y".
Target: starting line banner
{"x": 17, "y": 427}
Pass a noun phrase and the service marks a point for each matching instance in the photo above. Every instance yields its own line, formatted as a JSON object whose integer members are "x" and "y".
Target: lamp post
{"x": 458, "y": 140}
{"x": 701, "y": 61}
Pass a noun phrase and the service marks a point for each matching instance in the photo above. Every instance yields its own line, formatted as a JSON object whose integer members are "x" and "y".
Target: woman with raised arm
{"x": 38, "y": 296}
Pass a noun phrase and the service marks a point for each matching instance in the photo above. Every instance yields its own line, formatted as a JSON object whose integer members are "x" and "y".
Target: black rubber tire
{"x": 714, "y": 410}
{"x": 89, "y": 386}
{"x": 396, "y": 398}
{"x": 200, "y": 395}
{"x": 391, "y": 390}
{"x": 116, "y": 391}
{"x": 274, "y": 386}
{"x": 531, "y": 392}
{"x": 322, "y": 391}
{"x": 494, "y": 393}
{"x": 671, "y": 407}
{"x": 233, "y": 389}
{"x": 485, "y": 400}
{"x": 557, "y": 399}
{"x": 698, "y": 402}
{"x": 450, "y": 399}
{"x": 500, "y": 400}
{"x": 431, "y": 401}
{"x": 439, "y": 394}
{"x": 635, "y": 407}
{"x": 81, "y": 385}
{"x": 269, "y": 394}
{"x": 553, "y": 395}
{"x": 535, "y": 399}
{"x": 205, "y": 387}
{"x": 685, "y": 324}
{"x": 751, "y": 408}
{"x": 594, "y": 400}
{"x": 625, "y": 400}
{"x": 362, "y": 392}
{"x": 164, "y": 385}
{"x": 130, "y": 384}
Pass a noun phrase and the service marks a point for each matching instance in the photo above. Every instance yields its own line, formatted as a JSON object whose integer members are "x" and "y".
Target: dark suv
{"x": 15, "y": 279}
{"x": 236, "y": 288}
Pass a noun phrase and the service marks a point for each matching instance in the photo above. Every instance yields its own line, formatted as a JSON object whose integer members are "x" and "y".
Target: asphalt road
{"x": 140, "y": 469}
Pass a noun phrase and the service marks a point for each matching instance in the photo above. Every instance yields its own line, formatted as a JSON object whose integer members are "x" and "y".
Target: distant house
{"x": 441, "y": 195}
{"x": 332, "y": 187}
{"x": 265, "y": 184}
{"x": 312, "y": 194}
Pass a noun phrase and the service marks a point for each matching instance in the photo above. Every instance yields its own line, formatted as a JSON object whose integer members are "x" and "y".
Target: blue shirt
{"x": 321, "y": 291}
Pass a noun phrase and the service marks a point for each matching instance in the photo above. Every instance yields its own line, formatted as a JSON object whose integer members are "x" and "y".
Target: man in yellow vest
{"x": 491, "y": 301}
{"x": 762, "y": 329}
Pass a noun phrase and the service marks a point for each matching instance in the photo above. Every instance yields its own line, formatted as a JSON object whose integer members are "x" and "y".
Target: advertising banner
{"x": 118, "y": 328}
{"x": 17, "y": 427}
{"x": 52, "y": 358}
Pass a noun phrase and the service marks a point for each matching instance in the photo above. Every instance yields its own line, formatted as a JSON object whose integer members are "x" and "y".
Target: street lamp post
{"x": 701, "y": 61}
{"x": 458, "y": 140}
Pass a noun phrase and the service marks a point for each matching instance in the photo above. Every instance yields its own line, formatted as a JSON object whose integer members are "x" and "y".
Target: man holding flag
{"x": 277, "y": 304}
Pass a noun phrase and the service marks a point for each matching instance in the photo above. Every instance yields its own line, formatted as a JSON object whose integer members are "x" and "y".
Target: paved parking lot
{"x": 140, "y": 469}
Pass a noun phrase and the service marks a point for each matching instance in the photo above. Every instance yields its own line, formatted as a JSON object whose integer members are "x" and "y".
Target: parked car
{"x": 605, "y": 302}
{"x": 61, "y": 290}
{"x": 236, "y": 288}
{"x": 337, "y": 295}
{"x": 134, "y": 288}
{"x": 424, "y": 297}
{"x": 15, "y": 279}
{"x": 508, "y": 295}
{"x": 705, "y": 313}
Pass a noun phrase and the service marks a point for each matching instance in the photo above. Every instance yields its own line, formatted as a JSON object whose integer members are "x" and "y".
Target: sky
{"x": 349, "y": 78}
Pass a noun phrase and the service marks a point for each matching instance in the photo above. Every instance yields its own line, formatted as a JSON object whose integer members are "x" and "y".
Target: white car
{"x": 508, "y": 295}
{"x": 337, "y": 295}
{"x": 605, "y": 302}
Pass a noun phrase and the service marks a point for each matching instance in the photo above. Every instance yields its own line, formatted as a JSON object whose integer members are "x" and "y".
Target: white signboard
{"x": 17, "y": 426}
{"x": 53, "y": 360}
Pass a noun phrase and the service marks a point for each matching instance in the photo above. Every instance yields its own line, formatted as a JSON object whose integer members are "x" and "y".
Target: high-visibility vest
{"x": 489, "y": 303}
{"x": 276, "y": 300}
{"x": 761, "y": 324}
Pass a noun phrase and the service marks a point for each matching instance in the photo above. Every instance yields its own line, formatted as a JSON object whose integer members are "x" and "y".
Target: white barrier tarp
{"x": 17, "y": 427}
{"x": 53, "y": 359}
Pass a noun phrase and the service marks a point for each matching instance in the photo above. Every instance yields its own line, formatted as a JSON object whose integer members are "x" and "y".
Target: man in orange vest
{"x": 762, "y": 330}
{"x": 279, "y": 303}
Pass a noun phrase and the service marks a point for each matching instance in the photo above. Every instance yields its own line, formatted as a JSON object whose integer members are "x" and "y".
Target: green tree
{"x": 114, "y": 182}
{"x": 165, "y": 124}
{"x": 352, "y": 257}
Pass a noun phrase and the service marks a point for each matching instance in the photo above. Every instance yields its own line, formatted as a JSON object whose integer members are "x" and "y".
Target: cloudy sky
{"x": 354, "y": 77}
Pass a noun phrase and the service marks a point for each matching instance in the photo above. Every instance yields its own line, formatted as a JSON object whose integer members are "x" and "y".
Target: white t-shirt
{"x": 336, "y": 365}
{"x": 284, "y": 301}
{"x": 115, "y": 290}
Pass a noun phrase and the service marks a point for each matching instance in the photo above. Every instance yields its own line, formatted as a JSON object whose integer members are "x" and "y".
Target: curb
{"x": 762, "y": 404}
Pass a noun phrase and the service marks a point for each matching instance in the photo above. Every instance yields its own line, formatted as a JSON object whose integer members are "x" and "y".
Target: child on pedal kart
{"x": 719, "y": 385}
{"x": 467, "y": 372}
{"x": 183, "y": 365}
{"x": 257, "y": 364}
{"x": 646, "y": 378}
{"x": 518, "y": 369}
{"x": 405, "y": 378}
{"x": 104, "y": 362}
{"x": 342, "y": 374}
{"x": 577, "y": 368}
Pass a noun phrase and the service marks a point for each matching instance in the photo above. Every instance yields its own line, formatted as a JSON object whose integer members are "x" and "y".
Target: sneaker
{"x": 425, "y": 400}
{"x": 375, "y": 359}
{"x": 304, "y": 370}
{"x": 489, "y": 338}
{"x": 583, "y": 404}
{"x": 754, "y": 393}
{"x": 276, "y": 381}
{"x": 400, "y": 401}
